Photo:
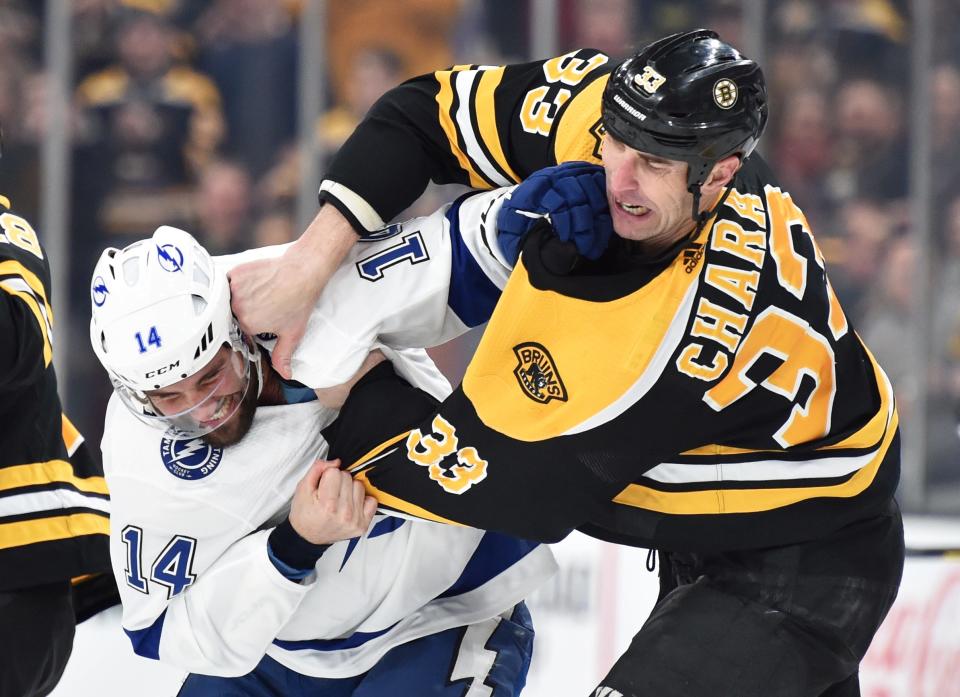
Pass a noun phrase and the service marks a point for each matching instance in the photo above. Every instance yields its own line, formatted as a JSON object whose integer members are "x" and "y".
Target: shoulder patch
{"x": 189, "y": 458}
{"x": 537, "y": 373}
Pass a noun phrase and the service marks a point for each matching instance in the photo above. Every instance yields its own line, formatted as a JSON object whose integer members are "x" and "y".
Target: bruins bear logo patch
{"x": 537, "y": 373}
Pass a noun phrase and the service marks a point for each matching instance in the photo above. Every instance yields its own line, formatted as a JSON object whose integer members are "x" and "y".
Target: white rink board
{"x": 589, "y": 612}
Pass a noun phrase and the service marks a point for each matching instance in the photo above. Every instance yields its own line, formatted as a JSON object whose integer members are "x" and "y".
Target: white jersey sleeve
{"x": 449, "y": 275}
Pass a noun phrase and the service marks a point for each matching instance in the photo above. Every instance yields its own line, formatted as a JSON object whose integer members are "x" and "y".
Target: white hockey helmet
{"x": 161, "y": 313}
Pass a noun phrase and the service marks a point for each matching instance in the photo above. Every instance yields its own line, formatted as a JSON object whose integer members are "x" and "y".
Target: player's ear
{"x": 721, "y": 175}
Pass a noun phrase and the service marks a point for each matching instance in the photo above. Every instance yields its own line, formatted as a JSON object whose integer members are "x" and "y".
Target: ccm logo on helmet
{"x": 161, "y": 371}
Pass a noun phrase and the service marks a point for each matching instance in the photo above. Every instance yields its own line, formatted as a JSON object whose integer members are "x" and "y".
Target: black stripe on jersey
{"x": 475, "y": 125}
{"x": 51, "y": 486}
{"x": 730, "y": 484}
{"x": 52, "y": 513}
{"x": 454, "y": 108}
{"x": 804, "y": 455}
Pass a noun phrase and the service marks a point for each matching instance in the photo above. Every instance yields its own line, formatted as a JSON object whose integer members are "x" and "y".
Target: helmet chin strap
{"x": 258, "y": 362}
{"x": 701, "y": 217}
{"x": 238, "y": 338}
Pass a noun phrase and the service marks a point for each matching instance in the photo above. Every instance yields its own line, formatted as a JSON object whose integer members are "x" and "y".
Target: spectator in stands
{"x": 870, "y": 152}
{"x": 869, "y": 39}
{"x": 606, "y": 25}
{"x": 373, "y": 72}
{"x": 943, "y": 390}
{"x": 801, "y": 149}
{"x": 889, "y": 313}
{"x": 150, "y": 125}
{"x": 945, "y": 137}
{"x": 223, "y": 208}
{"x": 274, "y": 227}
{"x": 418, "y": 31}
{"x": 250, "y": 49}
{"x": 864, "y": 230}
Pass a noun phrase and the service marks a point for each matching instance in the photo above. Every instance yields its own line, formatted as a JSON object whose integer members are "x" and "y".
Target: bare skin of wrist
{"x": 277, "y": 295}
{"x": 329, "y": 506}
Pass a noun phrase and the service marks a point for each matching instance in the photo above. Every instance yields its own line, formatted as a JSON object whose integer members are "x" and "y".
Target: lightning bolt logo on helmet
{"x": 170, "y": 258}
{"x": 99, "y": 291}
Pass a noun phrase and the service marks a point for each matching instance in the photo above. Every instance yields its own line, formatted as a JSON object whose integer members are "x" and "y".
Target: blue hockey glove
{"x": 571, "y": 196}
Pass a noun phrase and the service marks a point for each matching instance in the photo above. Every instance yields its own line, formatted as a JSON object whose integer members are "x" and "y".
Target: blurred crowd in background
{"x": 185, "y": 113}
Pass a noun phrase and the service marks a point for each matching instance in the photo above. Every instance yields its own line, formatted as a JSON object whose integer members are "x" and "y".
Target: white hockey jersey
{"x": 189, "y": 527}
{"x": 367, "y": 303}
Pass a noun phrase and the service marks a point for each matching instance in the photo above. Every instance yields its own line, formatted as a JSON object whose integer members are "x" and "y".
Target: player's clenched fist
{"x": 329, "y": 506}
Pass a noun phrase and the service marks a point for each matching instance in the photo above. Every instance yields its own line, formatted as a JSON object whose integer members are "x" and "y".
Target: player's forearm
{"x": 320, "y": 249}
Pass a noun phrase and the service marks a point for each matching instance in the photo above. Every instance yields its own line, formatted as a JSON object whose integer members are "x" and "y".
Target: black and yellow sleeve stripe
{"x": 467, "y": 116}
{"x": 21, "y": 283}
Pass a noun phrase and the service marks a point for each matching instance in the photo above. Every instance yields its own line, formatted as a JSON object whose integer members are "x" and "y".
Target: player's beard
{"x": 237, "y": 426}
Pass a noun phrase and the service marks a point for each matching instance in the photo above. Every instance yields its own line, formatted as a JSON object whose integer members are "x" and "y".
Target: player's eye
{"x": 212, "y": 378}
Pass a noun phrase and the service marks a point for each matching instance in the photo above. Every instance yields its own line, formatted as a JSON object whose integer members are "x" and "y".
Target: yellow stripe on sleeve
{"x": 359, "y": 473}
{"x": 487, "y": 119}
{"x": 398, "y": 503}
{"x": 37, "y": 473}
{"x": 15, "y": 268}
{"x": 445, "y": 102}
{"x": 31, "y": 302}
{"x": 28, "y": 532}
{"x": 72, "y": 438}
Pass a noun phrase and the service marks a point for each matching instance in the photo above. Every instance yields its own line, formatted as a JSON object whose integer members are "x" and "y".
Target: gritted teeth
{"x": 633, "y": 209}
{"x": 221, "y": 409}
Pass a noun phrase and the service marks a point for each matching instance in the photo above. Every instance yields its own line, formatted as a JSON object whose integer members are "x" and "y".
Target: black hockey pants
{"x": 791, "y": 621}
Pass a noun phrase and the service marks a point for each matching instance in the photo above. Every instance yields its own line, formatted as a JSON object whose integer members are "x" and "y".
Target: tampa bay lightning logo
{"x": 170, "y": 257}
{"x": 189, "y": 458}
{"x": 99, "y": 291}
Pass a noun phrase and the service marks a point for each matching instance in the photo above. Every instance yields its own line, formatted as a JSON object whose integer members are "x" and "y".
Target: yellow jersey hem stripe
{"x": 28, "y": 532}
{"x": 37, "y": 473}
{"x": 715, "y": 501}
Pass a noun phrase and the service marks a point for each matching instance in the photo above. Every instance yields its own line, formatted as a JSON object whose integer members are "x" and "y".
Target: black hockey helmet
{"x": 688, "y": 97}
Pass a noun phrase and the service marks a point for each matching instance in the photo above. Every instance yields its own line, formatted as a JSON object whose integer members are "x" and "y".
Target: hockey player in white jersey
{"x": 239, "y": 559}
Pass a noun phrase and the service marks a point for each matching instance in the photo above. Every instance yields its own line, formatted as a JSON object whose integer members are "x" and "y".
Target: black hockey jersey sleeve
{"x": 528, "y": 494}
{"x": 481, "y": 126}
{"x": 59, "y": 530}
{"x": 21, "y": 344}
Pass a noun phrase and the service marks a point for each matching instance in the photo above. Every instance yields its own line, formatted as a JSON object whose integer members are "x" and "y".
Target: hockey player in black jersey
{"x": 711, "y": 399}
{"x": 54, "y": 520}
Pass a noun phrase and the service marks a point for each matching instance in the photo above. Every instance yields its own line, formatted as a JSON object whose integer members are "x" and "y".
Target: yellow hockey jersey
{"x": 715, "y": 397}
